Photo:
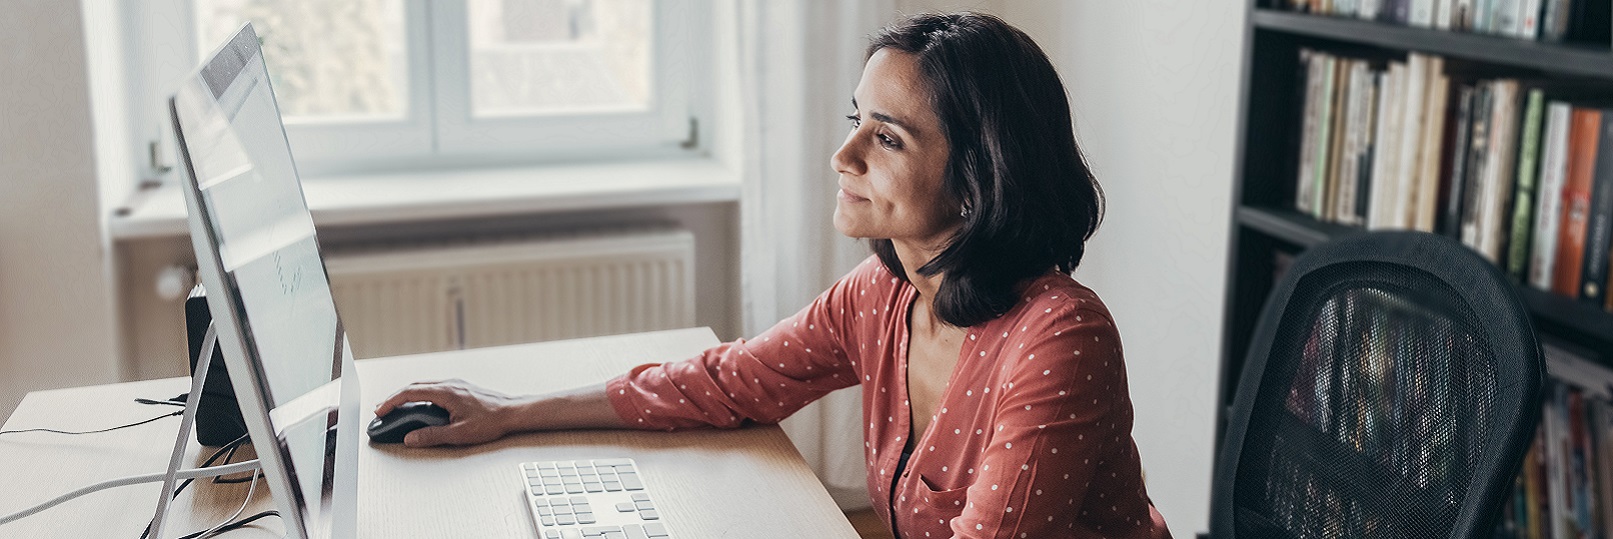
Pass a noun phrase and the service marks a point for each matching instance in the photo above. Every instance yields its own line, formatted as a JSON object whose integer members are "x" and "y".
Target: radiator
{"x": 410, "y": 298}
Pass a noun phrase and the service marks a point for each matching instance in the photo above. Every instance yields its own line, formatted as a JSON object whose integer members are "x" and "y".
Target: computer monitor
{"x": 256, "y": 252}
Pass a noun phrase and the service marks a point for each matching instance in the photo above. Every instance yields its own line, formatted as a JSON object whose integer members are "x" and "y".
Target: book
{"x": 1529, "y": 19}
{"x": 1433, "y": 134}
{"x": 1422, "y": 14}
{"x": 1505, "y": 18}
{"x": 1450, "y": 222}
{"x": 1498, "y": 170}
{"x": 1381, "y": 211}
{"x": 1548, "y": 211}
{"x": 1363, "y": 177}
{"x": 1324, "y": 139}
{"x": 1442, "y": 14}
{"x": 1599, "y": 222}
{"x": 1554, "y": 24}
{"x": 1462, "y": 16}
{"x": 1583, "y": 142}
{"x": 1356, "y": 118}
{"x": 1477, "y": 152}
{"x": 1328, "y": 188}
{"x": 1303, "y": 184}
{"x": 1524, "y": 192}
{"x": 1406, "y": 179}
{"x": 1369, "y": 9}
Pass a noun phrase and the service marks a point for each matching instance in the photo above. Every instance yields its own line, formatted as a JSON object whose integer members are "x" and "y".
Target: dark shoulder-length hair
{"x": 1031, "y": 200}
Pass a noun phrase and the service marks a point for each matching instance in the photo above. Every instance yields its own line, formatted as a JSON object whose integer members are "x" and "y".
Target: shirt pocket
{"x": 934, "y": 508}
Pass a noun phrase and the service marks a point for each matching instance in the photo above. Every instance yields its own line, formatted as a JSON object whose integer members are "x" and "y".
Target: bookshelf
{"x": 1265, "y": 221}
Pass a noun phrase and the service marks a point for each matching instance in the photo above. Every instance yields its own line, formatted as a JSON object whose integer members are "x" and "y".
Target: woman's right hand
{"x": 476, "y": 415}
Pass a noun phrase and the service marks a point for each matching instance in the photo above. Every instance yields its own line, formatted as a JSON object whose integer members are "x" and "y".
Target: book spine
{"x": 1462, "y": 16}
{"x": 1498, "y": 169}
{"x": 1523, "y": 195}
{"x": 1422, "y": 14}
{"x": 1583, "y": 142}
{"x": 1455, "y": 172}
{"x": 1308, "y": 131}
{"x": 1506, "y": 17}
{"x": 1355, "y": 97}
{"x": 1483, "y": 13}
{"x": 1548, "y": 213}
{"x": 1405, "y": 177}
{"x": 1599, "y": 227}
{"x": 1433, "y": 134}
{"x": 1369, "y": 9}
{"x": 1328, "y": 192}
{"x": 1529, "y": 19}
{"x": 1442, "y": 14}
{"x": 1387, "y": 148}
{"x": 1324, "y": 142}
{"x": 1554, "y": 25}
{"x": 1473, "y": 185}
{"x": 1369, "y": 150}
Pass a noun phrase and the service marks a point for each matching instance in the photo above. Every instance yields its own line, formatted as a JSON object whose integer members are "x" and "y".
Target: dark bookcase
{"x": 1265, "y": 225}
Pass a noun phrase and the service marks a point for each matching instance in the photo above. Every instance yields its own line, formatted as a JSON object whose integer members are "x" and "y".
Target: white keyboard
{"x": 591, "y": 499}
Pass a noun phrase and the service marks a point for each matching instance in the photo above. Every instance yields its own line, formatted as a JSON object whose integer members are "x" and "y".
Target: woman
{"x": 993, "y": 385}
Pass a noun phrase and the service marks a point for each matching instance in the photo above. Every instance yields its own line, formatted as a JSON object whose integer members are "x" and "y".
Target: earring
{"x": 966, "y": 211}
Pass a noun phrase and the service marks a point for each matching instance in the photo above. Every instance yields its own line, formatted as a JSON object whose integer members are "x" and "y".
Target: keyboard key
{"x": 635, "y": 531}
{"x": 644, "y": 505}
{"x": 593, "y": 486}
{"x": 579, "y": 500}
{"x": 586, "y": 518}
{"x": 566, "y": 520}
{"x": 656, "y": 529}
{"x": 570, "y": 533}
{"x": 649, "y": 514}
{"x": 599, "y": 531}
{"x": 640, "y": 497}
{"x": 631, "y": 482}
{"x": 615, "y": 535}
{"x": 625, "y": 507}
{"x": 613, "y": 462}
{"x": 545, "y": 511}
{"x": 547, "y": 520}
{"x": 613, "y": 486}
{"x": 573, "y": 488}
{"x": 554, "y": 489}
{"x": 551, "y": 534}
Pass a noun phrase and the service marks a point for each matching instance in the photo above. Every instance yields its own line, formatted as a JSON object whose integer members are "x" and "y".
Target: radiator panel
{"x": 403, "y": 299}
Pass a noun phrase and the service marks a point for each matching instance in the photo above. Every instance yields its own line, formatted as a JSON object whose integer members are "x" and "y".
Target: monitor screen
{"x": 259, "y": 258}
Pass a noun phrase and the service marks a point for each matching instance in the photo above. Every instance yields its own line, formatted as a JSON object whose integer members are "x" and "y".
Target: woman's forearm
{"x": 582, "y": 408}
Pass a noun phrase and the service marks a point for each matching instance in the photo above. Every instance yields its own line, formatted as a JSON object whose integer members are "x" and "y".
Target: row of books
{"x": 1564, "y": 489}
{"x": 1520, "y": 172}
{"x": 1552, "y": 21}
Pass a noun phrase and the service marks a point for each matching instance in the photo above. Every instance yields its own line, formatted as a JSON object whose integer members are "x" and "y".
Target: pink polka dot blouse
{"x": 1031, "y": 439}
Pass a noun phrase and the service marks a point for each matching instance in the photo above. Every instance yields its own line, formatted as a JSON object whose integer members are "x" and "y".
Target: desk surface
{"x": 746, "y": 483}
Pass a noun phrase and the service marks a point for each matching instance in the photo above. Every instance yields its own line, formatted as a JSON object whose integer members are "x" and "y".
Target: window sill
{"x": 423, "y": 196}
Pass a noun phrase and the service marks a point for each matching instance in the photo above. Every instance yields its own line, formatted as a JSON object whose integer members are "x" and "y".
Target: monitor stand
{"x": 182, "y": 440}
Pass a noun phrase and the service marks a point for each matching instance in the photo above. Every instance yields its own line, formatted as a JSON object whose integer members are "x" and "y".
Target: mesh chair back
{"x": 1391, "y": 390}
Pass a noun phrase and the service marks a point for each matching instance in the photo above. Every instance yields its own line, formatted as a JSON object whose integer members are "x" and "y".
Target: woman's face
{"x": 892, "y": 163}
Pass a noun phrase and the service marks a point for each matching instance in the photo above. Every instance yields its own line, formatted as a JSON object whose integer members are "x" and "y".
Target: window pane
{"x": 559, "y": 56}
{"x": 328, "y": 61}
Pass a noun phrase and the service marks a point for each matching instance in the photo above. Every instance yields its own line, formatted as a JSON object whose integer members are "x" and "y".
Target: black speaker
{"x": 218, "y": 416}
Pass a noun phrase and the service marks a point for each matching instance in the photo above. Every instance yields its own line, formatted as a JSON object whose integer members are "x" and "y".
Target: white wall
{"x": 56, "y": 325}
{"x": 1154, "y": 87}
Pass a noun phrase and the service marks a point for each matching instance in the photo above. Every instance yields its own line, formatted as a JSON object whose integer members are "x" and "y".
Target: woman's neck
{"x": 914, "y": 256}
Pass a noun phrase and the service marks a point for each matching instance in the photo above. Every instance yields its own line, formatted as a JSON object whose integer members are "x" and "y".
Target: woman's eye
{"x": 886, "y": 141}
{"x": 855, "y": 121}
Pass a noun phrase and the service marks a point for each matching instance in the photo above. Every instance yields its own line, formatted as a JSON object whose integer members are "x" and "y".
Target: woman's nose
{"x": 848, "y": 159}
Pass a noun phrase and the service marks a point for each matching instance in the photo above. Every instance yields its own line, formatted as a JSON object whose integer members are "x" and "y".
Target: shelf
{"x": 1572, "y": 319}
{"x": 1290, "y": 226}
{"x": 1577, "y": 321}
{"x": 1550, "y": 57}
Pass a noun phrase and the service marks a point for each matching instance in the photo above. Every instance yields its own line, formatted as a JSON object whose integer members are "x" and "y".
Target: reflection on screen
{"x": 270, "y": 256}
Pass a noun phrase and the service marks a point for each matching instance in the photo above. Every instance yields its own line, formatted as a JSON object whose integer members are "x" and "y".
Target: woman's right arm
{"x": 478, "y": 415}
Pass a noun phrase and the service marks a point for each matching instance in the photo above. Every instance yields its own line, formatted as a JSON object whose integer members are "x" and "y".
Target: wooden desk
{"x": 748, "y": 483}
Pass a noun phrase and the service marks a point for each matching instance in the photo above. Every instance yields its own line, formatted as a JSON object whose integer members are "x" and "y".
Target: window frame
{"x": 436, "y": 129}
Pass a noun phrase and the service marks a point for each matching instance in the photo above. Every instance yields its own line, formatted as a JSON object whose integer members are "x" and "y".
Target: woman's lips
{"x": 848, "y": 197}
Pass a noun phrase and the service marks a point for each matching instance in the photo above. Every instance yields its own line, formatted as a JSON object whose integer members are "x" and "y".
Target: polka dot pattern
{"x": 1032, "y": 439}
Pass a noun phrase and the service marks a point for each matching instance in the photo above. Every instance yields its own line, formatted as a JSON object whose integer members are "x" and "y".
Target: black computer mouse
{"x": 390, "y": 428}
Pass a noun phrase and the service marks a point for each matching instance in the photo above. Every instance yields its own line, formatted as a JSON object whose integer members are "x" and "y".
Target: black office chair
{"x": 1391, "y": 389}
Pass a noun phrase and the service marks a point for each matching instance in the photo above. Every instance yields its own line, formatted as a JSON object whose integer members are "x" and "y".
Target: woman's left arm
{"x": 1063, "y": 423}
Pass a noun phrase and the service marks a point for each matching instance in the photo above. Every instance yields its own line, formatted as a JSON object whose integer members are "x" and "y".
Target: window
{"x": 388, "y": 84}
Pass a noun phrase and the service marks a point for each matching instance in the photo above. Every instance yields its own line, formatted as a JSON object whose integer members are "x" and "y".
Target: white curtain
{"x": 798, "y": 62}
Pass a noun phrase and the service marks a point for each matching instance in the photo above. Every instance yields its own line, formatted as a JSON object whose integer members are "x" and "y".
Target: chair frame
{"x": 1478, "y": 283}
